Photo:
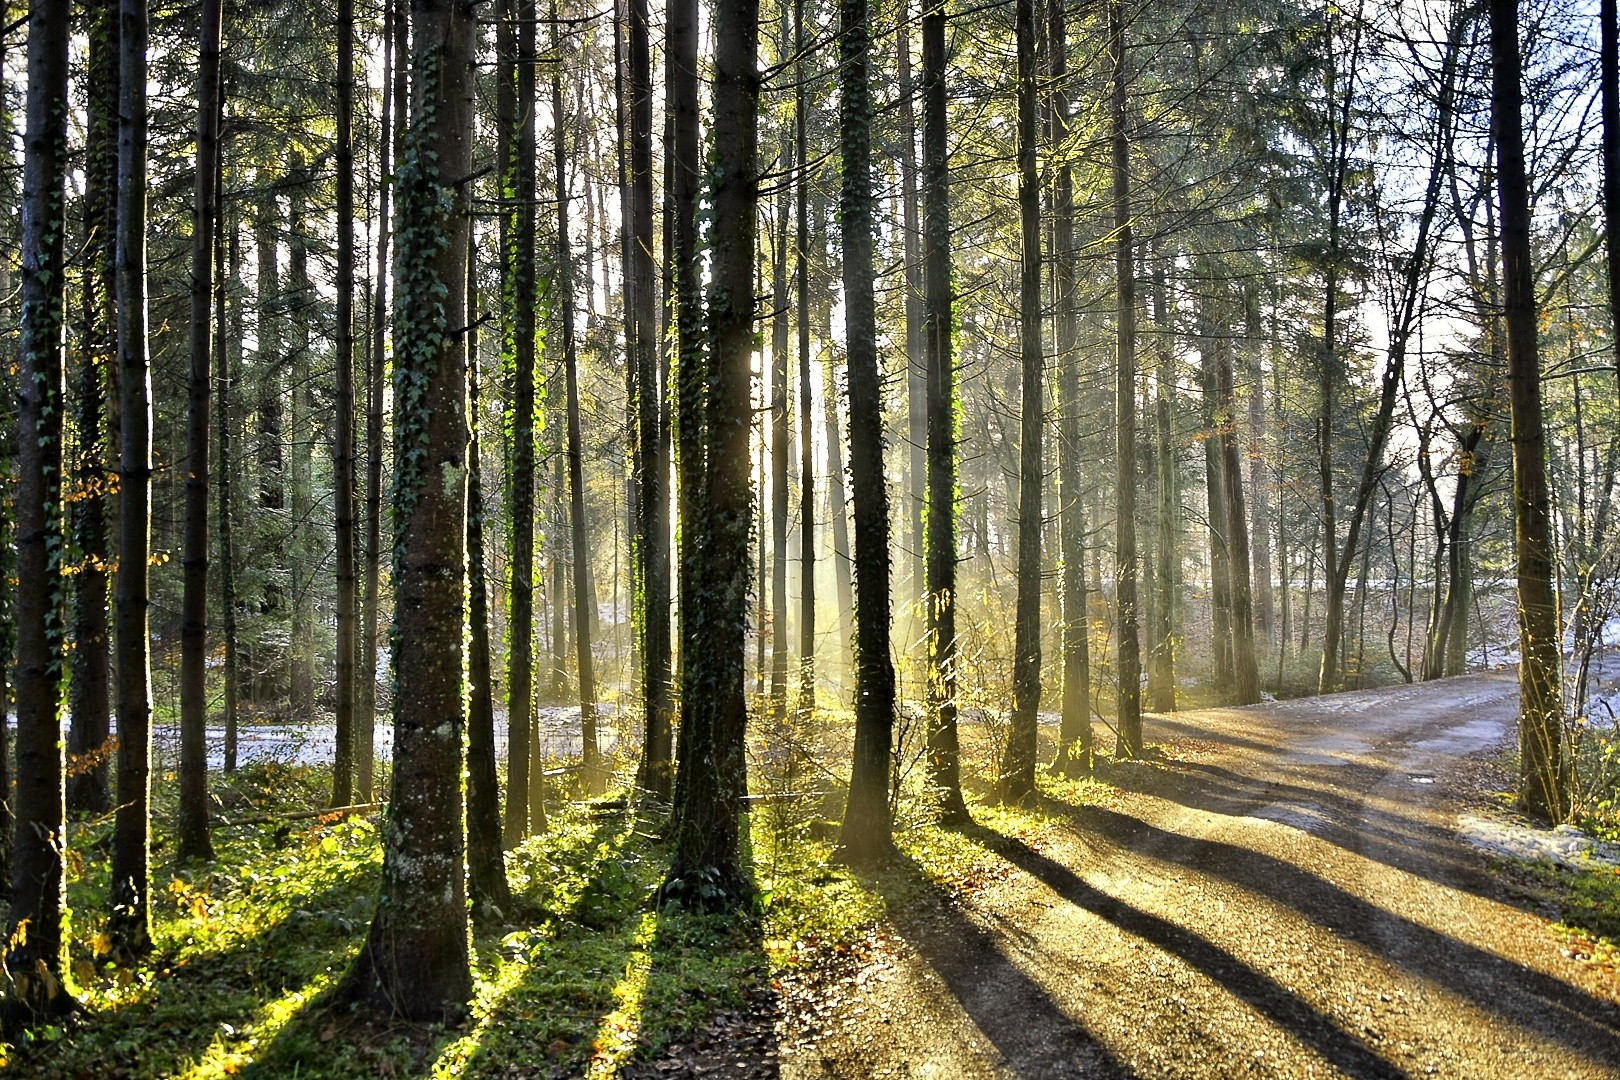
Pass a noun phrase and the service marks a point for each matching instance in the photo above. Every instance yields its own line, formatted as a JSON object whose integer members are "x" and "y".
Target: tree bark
{"x": 1543, "y": 769}
{"x": 651, "y": 529}
{"x": 1245, "y": 667}
{"x": 1162, "y": 663}
{"x": 192, "y": 841}
{"x": 1129, "y": 717}
{"x": 301, "y": 302}
{"x": 487, "y": 887}
{"x": 944, "y": 754}
{"x": 865, "y": 839}
{"x": 130, "y": 895}
{"x": 36, "y": 959}
{"x": 227, "y": 256}
{"x": 414, "y": 963}
{"x": 1076, "y": 748}
{"x": 706, "y": 870}
{"x": 584, "y": 591}
{"x": 915, "y": 313}
{"x": 807, "y": 472}
{"x": 1017, "y": 780}
{"x": 343, "y": 459}
{"x": 90, "y": 746}
{"x": 781, "y": 442}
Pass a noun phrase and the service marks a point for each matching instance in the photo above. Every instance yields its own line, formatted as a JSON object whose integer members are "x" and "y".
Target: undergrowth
{"x": 588, "y": 979}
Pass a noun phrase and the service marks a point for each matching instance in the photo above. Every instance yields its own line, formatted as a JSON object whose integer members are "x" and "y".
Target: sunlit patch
{"x": 616, "y": 1035}
{"x": 229, "y": 1054}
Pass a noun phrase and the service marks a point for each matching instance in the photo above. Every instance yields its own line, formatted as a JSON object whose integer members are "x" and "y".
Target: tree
{"x": 487, "y": 886}
{"x": 865, "y": 839}
{"x": 944, "y": 757}
{"x": 130, "y": 924}
{"x": 193, "y": 841}
{"x": 1543, "y": 778}
{"x": 584, "y": 592}
{"x": 36, "y": 959}
{"x": 1075, "y": 748}
{"x": 414, "y": 963}
{"x": 1130, "y": 657}
{"x": 807, "y": 439}
{"x": 1018, "y": 763}
{"x": 706, "y": 870}
{"x": 343, "y": 458}
{"x": 651, "y": 557}
{"x": 89, "y": 740}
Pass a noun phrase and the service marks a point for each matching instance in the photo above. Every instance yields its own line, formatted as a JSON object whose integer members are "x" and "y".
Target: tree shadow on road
{"x": 1556, "y": 1010}
{"x": 1033, "y": 1035}
{"x": 1254, "y": 987}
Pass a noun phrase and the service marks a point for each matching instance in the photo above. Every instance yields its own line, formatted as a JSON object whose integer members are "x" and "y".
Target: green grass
{"x": 592, "y": 977}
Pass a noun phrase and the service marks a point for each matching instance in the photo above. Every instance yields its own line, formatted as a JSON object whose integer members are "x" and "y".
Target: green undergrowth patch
{"x": 586, "y": 976}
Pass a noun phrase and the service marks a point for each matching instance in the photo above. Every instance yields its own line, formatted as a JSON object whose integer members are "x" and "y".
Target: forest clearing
{"x": 772, "y": 537}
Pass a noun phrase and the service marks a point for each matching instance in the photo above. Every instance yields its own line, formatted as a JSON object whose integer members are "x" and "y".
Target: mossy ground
{"x": 589, "y": 978}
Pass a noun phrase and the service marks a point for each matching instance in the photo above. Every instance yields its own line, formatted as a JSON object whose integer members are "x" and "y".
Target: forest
{"x": 738, "y": 538}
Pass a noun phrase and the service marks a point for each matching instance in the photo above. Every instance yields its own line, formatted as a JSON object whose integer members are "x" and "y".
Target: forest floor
{"x": 1290, "y": 898}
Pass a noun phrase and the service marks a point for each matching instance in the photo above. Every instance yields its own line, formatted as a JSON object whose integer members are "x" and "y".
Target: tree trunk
{"x": 90, "y": 746}
{"x": 807, "y": 471}
{"x": 414, "y": 963}
{"x": 129, "y": 893}
{"x": 944, "y": 756}
{"x": 1076, "y": 751}
{"x": 267, "y": 662}
{"x": 1162, "y": 663}
{"x": 1017, "y": 781}
{"x": 1130, "y": 658}
{"x": 519, "y": 303}
{"x": 651, "y": 527}
{"x": 916, "y": 360}
{"x": 837, "y": 498}
{"x": 343, "y": 459}
{"x": 394, "y": 71}
{"x": 865, "y": 839}
{"x": 1245, "y": 667}
{"x": 192, "y": 842}
{"x": 227, "y": 258}
{"x": 1265, "y": 605}
{"x": 301, "y": 447}
{"x": 780, "y": 442}
{"x": 706, "y": 870}
{"x": 584, "y": 591}
{"x": 1215, "y": 502}
{"x": 1543, "y": 769}
{"x": 36, "y": 960}
{"x": 487, "y": 886}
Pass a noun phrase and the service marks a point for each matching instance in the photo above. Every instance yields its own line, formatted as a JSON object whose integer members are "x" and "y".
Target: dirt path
{"x": 1293, "y": 903}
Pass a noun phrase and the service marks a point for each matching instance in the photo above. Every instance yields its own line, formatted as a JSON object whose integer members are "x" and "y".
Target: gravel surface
{"x": 1291, "y": 901}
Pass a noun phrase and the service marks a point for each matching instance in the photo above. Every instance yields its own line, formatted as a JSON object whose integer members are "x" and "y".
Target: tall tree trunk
{"x": 36, "y": 959}
{"x": 414, "y": 963}
{"x": 916, "y": 360}
{"x": 129, "y": 893}
{"x": 1245, "y": 666}
{"x": 1265, "y": 605}
{"x": 394, "y": 72}
{"x": 192, "y": 840}
{"x": 837, "y": 498}
{"x": 343, "y": 459}
{"x": 1130, "y": 656}
{"x": 90, "y": 747}
{"x": 807, "y": 473}
{"x": 487, "y": 887}
{"x": 1017, "y": 781}
{"x": 520, "y": 302}
{"x": 1076, "y": 749}
{"x": 944, "y": 756}
{"x": 1162, "y": 663}
{"x": 1215, "y": 504}
{"x": 1543, "y": 769}
{"x": 227, "y": 254}
{"x": 301, "y": 447}
{"x": 267, "y": 662}
{"x": 706, "y": 870}
{"x": 651, "y": 525}
{"x": 584, "y": 591}
{"x": 865, "y": 839}
{"x": 8, "y": 462}
{"x": 780, "y": 440}
{"x": 1609, "y": 63}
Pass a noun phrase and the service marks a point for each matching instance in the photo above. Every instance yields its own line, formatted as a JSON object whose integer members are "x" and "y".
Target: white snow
{"x": 1565, "y": 846}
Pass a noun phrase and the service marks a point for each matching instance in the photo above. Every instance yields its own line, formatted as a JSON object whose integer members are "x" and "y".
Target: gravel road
{"x": 1292, "y": 902}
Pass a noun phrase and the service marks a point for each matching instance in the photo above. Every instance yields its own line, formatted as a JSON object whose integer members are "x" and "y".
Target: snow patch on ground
{"x": 1566, "y": 845}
